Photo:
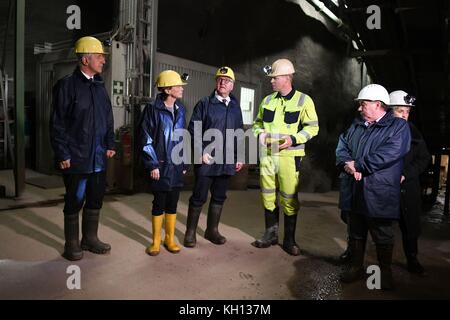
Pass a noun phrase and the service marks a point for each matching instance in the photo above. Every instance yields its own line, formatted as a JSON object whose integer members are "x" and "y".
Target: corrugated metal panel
{"x": 201, "y": 78}
{"x": 44, "y": 155}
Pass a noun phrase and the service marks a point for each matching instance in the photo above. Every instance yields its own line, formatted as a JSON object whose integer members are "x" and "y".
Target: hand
{"x": 65, "y": 164}
{"x": 262, "y": 138}
{"x": 184, "y": 171}
{"x": 350, "y": 167}
{"x": 207, "y": 158}
{"x": 402, "y": 179}
{"x": 154, "y": 174}
{"x": 287, "y": 142}
{"x": 357, "y": 176}
{"x": 348, "y": 170}
{"x": 110, "y": 153}
{"x": 239, "y": 166}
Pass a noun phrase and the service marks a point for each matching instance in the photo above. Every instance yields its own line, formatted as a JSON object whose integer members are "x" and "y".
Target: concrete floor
{"x": 32, "y": 239}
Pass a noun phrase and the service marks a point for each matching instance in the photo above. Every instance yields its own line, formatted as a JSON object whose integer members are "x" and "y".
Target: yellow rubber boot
{"x": 169, "y": 241}
{"x": 157, "y": 222}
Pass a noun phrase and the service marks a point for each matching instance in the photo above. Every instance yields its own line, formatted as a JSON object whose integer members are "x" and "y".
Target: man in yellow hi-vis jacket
{"x": 286, "y": 120}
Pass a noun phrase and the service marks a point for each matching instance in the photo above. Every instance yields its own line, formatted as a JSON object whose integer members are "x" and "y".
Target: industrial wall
{"x": 46, "y": 23}
{"x": 246, "y": 35}
{"x": 201, "y": 83}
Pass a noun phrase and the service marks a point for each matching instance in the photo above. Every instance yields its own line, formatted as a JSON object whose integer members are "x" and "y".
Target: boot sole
{"x": 171, "y": 251}
{"x": 216, "y": 242}
{"x": 190, "y": 243}
{"x": 71, "y": 257}
{"x": 96, "y": 251}
{"x": 291, "y": 251}
{"x": 261, "y": 245}
{"x": 210, "y": 238}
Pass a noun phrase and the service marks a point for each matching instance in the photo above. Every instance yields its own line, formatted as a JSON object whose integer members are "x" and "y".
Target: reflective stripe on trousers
{"x": 278, "y": 172}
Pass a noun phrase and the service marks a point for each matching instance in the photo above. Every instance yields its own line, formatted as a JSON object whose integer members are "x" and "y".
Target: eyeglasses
{"x": 409, "y": 99}
{"x": 224, "y": 80}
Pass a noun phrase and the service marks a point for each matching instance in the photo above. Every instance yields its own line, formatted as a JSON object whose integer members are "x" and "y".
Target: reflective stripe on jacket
{"x": 295, "y": 117}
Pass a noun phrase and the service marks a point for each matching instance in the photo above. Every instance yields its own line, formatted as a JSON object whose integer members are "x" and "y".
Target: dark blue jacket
{"x": 378, "y": 152}
{"x": 214, "y": 114}
{"x": 158, "y": 126}
{"x": 416, "y": 162}
{"x": 81, "y": 123}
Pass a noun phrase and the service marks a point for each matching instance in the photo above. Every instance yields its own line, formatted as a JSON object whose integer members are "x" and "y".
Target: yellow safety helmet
{"x": 280, "y": 67}
{"x": 225, "y": 72}
{"x": 170, "y": 78}
{"x": 89, "y": 45}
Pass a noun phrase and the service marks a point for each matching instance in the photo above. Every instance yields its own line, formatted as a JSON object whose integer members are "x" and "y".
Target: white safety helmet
{"x": 374, "y": 92}
{"x": 280, "y": 67}
{"x": 401, "y": 99}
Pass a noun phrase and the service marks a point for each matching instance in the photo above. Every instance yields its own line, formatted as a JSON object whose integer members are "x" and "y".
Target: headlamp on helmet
{"x": 185, "y": 77}
{"x": 409, "y": 99}
{"x": 267, "y": 70}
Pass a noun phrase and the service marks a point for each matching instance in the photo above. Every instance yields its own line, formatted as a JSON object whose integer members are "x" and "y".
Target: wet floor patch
{"x": 316, "y": 278}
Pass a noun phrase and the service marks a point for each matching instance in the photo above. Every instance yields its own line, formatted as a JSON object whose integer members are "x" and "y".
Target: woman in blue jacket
{"x": 161, "y": 120}
{"x": 416, "y": 162}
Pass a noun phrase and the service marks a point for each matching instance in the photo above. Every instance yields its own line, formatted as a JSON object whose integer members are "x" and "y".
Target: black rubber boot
{"x": 190, "y": 239}
{"x": 212, "y": 224}
{"x": 90, "y": 239}
{"x": 355, "y": 270}
{"x": 72, "y": 249}
{"x": 414, "y": 265}
{"x": 270, "y": 236}
{"x": 384, "y": 254}
{"x": 410, "y": 248}
{"x": 289, "y": 245}
{"x": 346, "y": 256}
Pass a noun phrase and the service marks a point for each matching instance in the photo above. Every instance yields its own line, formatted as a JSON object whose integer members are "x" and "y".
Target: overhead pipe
{"x": 322, "y": 8}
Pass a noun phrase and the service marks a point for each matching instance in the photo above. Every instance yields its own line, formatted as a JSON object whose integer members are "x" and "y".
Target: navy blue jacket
{"x": 214, "y": 114}
{"x": 416, "y": 162}
{"x": 158, "y": 126}
{"x": 81, "y": 123}
{"x": 378, "y": 152}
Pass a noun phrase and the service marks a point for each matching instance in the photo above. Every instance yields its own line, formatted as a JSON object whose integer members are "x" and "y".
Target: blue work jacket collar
{"x": 383, "y": 122}
{"x": 213, "y": 99}
{"x": 98, "y": 80}
{"x": 159, "y": 103}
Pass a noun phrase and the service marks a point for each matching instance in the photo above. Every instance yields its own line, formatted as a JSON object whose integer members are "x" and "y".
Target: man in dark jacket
{"x": 82, "y": 137}
{"x": 371, "y": 152}
{"x": 214, "y": 114}
{"x": 416, "y": 162}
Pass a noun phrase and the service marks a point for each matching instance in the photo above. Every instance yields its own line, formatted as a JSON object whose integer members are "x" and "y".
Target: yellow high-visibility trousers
{"x": 279, "y": 173}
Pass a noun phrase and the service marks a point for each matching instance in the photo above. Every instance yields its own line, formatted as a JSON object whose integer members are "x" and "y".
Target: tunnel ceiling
{"x": 411, "y": 52}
